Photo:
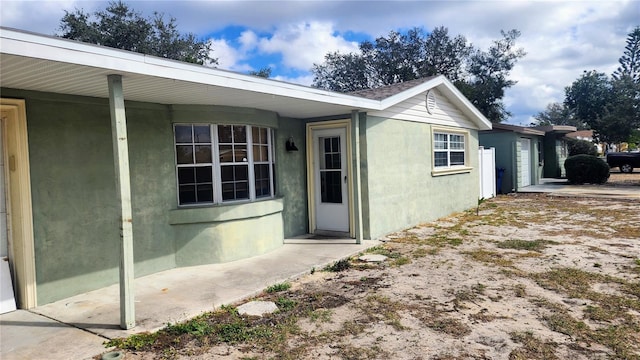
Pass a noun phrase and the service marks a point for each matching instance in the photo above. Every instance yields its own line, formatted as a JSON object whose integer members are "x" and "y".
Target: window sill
{"x": 451, "y": 171}
{"x": 226, "y": 212}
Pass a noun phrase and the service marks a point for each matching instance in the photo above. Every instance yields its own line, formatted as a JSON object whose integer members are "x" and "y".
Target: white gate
{"x": 487, "y": 159}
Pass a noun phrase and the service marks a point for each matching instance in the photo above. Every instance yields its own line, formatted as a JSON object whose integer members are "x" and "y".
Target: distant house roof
{"x": 517, "y": 129}
{"x": 581, "y": 134}
{"x": 384, "y": 92}
{"x": 558, "y": 129}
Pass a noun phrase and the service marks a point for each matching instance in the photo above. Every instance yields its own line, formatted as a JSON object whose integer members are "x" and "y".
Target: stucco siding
{"x": 400, "y": 189}
{"x": 414, "y": 109}
{"x": 75, "y": 213}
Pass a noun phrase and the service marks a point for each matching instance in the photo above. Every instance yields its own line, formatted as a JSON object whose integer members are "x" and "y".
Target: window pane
{"x": 186, "y": 175}
{"x": 440, "y": 141}
{"x": 224, "y": 133}
{"x": 239, "y": 134}
{"x": 331, "y": 187}
{"x": 202, "y": 134}
{"x": 203, "y": 174}
{"x": 335, "y": 144}
{"x": 457, "y": 158}
{"x": 242, "y": 190}
{"x": 226, "y": 173}
{"x": 184, "y": 154}
{"x": 440, "y": 159}
{"x": 259, "y": 135}
{"x": 326, "y": 143}
{"x": 183, "y": 133}
{"x": 205, "y": 193}
{"x": 241, "y": 172}
{"x": 228, "y": 192}
{"x": 203, "y": 154}
{"x": 456, "y": 142}
{"x": 226, "y": 153}
{"x": 262, "y": 182}
{"x": 240, "y": 153}
{"x": 187, "y": 194}
{"x": 260, "y": 153}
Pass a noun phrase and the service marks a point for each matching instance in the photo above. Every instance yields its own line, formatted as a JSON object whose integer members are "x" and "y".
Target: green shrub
{"x": 577, "y": 147}
{"x": 586, "y": 169}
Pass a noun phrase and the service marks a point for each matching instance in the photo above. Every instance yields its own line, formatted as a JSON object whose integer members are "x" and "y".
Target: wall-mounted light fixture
{"x": 291, "y": 146}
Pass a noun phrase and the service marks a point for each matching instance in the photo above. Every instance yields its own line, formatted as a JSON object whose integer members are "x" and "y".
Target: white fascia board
{"x": 122, "y": 62}
{"x": 443, "y": 84}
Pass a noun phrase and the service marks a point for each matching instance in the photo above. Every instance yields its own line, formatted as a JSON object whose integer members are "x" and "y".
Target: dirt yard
{"x": 526, "y": 277}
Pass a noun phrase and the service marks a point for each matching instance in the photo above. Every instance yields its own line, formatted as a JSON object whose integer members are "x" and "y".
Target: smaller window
{"x": 448, "y": 149}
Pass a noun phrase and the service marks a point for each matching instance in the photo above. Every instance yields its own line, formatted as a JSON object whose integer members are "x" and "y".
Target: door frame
{"x": 21, "y": 247}
{"x": 311, "y": 155}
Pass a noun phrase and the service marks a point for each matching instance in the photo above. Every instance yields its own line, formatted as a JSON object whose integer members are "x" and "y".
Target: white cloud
{"x": 304, "y": 44}
{"x": 229, "y": 58}
{"x": 562, "y": 38}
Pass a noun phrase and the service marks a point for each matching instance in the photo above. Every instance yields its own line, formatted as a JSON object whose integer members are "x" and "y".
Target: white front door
{"x": 330, "y": 180}
{"x": 525, "y": 162}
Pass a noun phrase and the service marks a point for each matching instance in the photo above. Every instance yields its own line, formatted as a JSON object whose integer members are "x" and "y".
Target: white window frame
{"x": 216, "y": 164}
{"x": 449, "y": 168}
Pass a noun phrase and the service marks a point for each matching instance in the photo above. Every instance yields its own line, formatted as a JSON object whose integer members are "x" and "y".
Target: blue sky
{"x": 561, "y": 38}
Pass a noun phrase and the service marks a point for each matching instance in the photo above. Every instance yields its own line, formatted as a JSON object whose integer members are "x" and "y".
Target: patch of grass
{"x": 322, "y": 315}
{"x": 519, "y": 290}
{"x": 402, "y": 260}
{"x": 528, "y": 245}
{"x": 532, "y": 348}
{"x": 449, "y": 326}
{"x": 338, "y": 266}
{"x": 382, "y": 308}
{"x": 383, "y": 250}
{"x": 133, "y": 342}
{"x": 420, "y": 252}
{"x": 489, "y": 257}
{"x": 285, "y": 304}
{"x": 278, "y": 287}
{"x": 620, "y": 338}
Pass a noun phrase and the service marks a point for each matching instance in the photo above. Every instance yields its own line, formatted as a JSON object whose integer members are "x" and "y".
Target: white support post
{"x": 123, "y": 188}
{"x": 355, "y": 117}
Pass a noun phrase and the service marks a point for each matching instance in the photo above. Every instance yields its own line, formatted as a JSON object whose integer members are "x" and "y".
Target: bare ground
{"x": 526, "y": 277}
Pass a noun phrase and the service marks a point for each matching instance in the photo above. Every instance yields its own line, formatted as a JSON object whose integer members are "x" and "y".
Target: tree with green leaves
{"x": 588, "y": 96}
{"x": 265, "y": 72}
{"x": 558, "y": 114}
{"x": 481, "y": 75}
{"x": 120, "y": 27}
{"x": 630, "y": 60}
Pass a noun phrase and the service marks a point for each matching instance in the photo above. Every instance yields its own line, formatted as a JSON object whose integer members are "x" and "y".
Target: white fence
{"x": 487, "y": 159}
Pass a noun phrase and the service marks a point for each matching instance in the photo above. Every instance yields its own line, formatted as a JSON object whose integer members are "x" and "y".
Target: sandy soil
{"x": 527, "y": 277}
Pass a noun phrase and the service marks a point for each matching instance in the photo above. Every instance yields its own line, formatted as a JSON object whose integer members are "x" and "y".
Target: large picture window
{"x": 223, "y": 163}
{"x": 448, "y": 150}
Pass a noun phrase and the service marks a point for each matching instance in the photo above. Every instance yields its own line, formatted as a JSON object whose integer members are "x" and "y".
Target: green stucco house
{"x": 518, "y": 154}
{"x": 118, "y": 164}
{"x": 525, "y": 155}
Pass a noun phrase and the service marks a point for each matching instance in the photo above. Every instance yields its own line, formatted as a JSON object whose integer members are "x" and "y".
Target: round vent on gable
{"x": 431, "y": 102}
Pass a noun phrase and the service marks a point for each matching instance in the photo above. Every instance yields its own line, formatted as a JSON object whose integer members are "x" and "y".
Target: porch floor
{"x": 76, "y": 327}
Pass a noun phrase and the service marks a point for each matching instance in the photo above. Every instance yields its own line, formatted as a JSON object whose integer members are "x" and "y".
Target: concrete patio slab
{"x": 76, "y": 327}
{"x": 561, "y": 187}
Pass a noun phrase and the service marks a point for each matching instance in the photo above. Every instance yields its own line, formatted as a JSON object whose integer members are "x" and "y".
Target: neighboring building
{"x": 518, "y": 154}
{"x": 206, "y": 159}
{"x": 586, "y": 135}
{"x": 555, "y": 149}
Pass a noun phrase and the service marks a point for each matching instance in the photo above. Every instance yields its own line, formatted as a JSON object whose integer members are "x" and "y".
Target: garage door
{"x": 525, "y": 162}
